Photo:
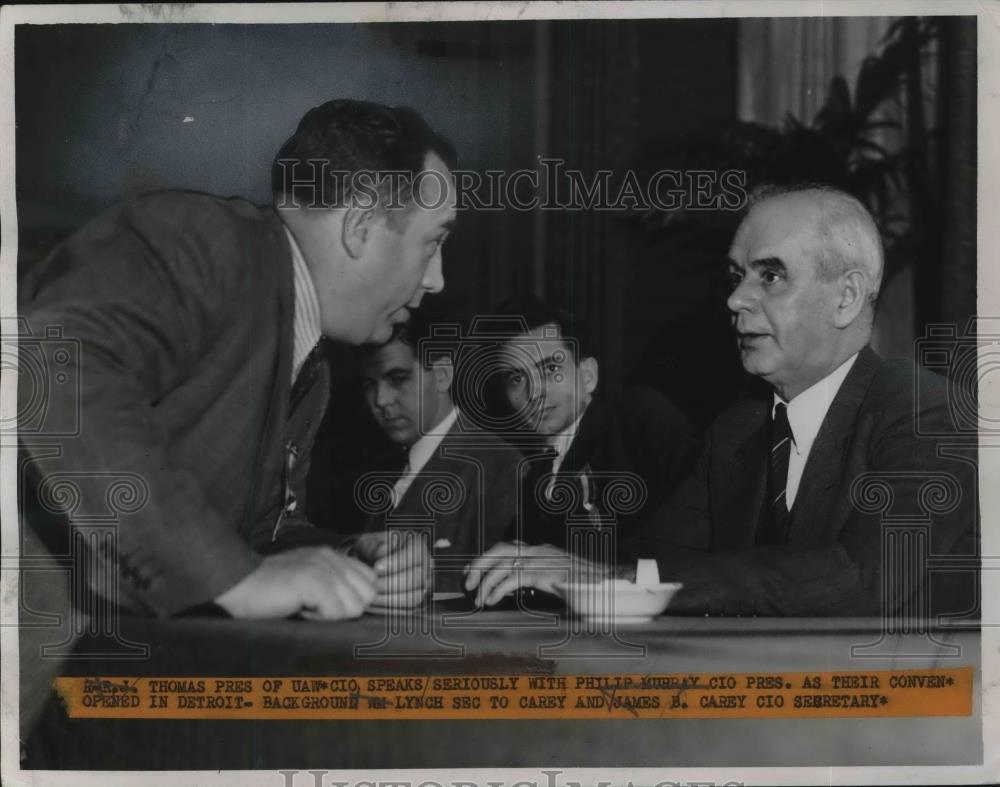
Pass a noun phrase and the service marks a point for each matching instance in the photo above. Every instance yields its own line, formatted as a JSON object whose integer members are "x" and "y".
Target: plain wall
{"x": 109, "y": 111}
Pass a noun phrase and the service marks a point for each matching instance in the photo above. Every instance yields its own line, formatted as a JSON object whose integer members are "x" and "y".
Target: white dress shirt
{"x": 305, "y": 334}
{"x": 805, "y": 416}
{"x": 306, "y": 327}
{"x": 420, "y": 453}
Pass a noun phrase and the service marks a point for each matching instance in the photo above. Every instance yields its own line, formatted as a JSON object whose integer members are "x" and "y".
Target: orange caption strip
{"x": 733, "y": 695}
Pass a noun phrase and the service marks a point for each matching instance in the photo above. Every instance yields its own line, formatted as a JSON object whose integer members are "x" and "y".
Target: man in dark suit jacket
{"x": 829, "y": 557}
{"x": 622, "y": 460}
{"x": 448, "y": 474}
{"x": 594, "y": 468}
{"x": 784, "y": 512}
{"x": 193, "y": 325}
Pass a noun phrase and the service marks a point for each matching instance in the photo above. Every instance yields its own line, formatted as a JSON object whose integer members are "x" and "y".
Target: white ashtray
{"x": 617, "y": 599}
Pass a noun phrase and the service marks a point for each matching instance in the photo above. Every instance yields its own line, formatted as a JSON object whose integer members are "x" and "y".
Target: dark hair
{"x": 336, "y": 141}
{"x": 424, "y": 325}
{"x": 529, "y": 312}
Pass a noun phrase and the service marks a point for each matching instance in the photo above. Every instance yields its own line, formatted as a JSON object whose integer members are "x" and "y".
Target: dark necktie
{"x": 536, "y": 525}
{"x": 775, "y": 529}
{"x": 541, "y": 467}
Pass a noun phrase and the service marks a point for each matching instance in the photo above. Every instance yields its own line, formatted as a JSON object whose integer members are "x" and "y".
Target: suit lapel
{"x": 581, "y": 450}
{"x": 453, "y": 525}
{"x": 825, "y": 464}
{"x": 387, "y": 465}
{"x": 412, "y": 505}
{"x": 743, "y": 505}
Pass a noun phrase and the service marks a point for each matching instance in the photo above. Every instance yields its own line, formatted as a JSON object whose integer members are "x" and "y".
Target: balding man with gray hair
{"x": 805, "y": 265}
{"x": 770, "y": 521}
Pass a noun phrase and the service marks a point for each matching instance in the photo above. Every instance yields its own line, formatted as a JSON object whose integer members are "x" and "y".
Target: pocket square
{"x": 442, "y": 543}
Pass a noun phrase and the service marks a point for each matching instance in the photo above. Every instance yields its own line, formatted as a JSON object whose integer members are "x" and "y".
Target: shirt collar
{"x": 807, "y": 410}
{"x": 306, "y": 325}
{"x": 562, "y": 441}
{"x": 421, "y": 451}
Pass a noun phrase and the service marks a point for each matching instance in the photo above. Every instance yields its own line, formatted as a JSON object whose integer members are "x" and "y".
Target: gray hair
{"x": 848, "y": 236}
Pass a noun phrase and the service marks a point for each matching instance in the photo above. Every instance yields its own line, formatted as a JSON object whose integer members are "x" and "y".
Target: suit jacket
{"x": 466, "y": 493}
{"x": 880, "y": 445}
{"x": 641, "y": 438}
{"x": 177, "y": 309}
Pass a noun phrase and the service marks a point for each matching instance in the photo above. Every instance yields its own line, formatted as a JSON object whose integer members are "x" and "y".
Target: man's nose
{"x": 534, "y": 387}
{"x": 742, "y": 299}
{"x": 383, "y": 395}
{"x": 434, "y": 275}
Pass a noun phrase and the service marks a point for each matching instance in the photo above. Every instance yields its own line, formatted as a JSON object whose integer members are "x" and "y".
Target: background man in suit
{"x": 770, "y": 522}
{"x": 451, "y": 472}
{"x": 638, "y": 444}
{"x": 198, "y": 322}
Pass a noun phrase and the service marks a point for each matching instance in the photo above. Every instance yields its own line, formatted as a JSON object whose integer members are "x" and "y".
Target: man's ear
{"x": 852, "y": 297}
{"x": 355, "y": 230}
{"x": 588, "y": 368}
{"x": 444, "y": 374}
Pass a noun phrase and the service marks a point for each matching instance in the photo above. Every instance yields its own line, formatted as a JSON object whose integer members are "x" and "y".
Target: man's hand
{"x": 403, "y": 567}
{"x": 507, "y": 566}
{"x": 317, "y": 582}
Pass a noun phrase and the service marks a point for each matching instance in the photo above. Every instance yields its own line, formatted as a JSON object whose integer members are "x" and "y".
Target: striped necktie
{"x": 775, "y": 529}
